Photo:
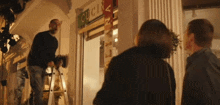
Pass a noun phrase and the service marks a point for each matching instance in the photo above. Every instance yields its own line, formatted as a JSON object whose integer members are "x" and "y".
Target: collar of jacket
{"x": 196, "y": 55}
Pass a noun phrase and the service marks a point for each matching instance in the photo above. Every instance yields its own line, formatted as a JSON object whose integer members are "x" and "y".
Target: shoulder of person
{"x": 212, "y": 58}
{"x": 128, "y": 52}
{"x": 42, "y": 33}
{"x": 124, "y": 56}
{"x": 208, "y": 60}
{"x": 197, "y": 70}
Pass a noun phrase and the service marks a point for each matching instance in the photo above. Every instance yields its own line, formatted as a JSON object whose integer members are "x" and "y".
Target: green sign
{"x": 83, "y": 18}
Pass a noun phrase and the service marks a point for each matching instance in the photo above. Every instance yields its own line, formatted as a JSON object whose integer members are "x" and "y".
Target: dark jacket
{"x": 201, "y": 84}
{"x": 42, "y": 50}
{"x": 137, "y": 77}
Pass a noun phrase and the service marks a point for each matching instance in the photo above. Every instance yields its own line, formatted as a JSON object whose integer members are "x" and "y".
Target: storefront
{"x": 88, "y": 40}
{"x": 92, "y": 32}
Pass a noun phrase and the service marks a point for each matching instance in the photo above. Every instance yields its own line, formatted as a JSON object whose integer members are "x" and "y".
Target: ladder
{"x": 52, "y": 83}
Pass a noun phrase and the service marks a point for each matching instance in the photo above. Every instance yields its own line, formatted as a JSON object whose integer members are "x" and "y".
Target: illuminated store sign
{"x": 91, "y": 12}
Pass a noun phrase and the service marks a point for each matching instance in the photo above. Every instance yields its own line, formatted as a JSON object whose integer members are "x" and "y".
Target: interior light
{"x": 115, "y": 31}
{"x": 16, "y": 37}
{"x": 116, "y": 39}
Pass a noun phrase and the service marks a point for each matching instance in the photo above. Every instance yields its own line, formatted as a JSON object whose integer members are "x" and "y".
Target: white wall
{"x": 216, "y": 44}
{"x": 216, "y": 47}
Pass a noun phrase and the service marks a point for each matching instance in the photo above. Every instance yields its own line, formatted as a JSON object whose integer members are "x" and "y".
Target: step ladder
{"x": 52, "y": 83}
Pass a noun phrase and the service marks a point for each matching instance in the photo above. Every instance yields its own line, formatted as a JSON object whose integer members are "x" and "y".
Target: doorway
{"x": 93, "y": 69}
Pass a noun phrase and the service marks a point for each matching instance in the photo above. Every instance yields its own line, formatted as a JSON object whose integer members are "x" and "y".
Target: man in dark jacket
{"x": 140, "y": 76}
{"x": 201, "y": 84}
{"x": 41, "y": 56}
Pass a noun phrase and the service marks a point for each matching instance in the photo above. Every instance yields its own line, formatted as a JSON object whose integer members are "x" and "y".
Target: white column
{"x": 170, "y": 13}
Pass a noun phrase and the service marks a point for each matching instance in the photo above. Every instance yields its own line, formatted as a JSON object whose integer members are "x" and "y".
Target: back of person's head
{"x": 54, "y": 21}
{"x": 155, "y": 35}
{"x": 54, "y": 25}
{"x": 202, "y": 30}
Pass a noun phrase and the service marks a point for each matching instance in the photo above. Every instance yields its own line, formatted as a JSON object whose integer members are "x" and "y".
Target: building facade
{"x": 130, "y": 16}
{"x": 83, "y": 36}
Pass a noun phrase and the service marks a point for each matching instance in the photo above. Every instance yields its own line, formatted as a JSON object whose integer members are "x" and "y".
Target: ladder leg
{"x": 64, "y": 86}
{"x": 51, "y": 87}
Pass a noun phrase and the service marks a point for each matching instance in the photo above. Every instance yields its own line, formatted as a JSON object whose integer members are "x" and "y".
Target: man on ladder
{"x": 41, "y": 56}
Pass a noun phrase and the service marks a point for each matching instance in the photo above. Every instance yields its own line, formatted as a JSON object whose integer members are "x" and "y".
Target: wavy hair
{"x": 155, "y": 35}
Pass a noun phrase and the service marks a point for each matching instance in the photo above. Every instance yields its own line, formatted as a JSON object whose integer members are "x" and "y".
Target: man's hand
{"x": 59, "y": 63}
{"x": 50, "y": 64}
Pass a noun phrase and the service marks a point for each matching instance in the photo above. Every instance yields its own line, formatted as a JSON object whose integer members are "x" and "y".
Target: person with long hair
{"x": 139, "y": 75}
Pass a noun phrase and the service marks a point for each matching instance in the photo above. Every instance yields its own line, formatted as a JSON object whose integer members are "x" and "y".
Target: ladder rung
{"x": 55, "y": 91}
{"x": 46, "y": 91}
{"x": 48, "y": 74}
{"x": 59, "y": 91}
{"x": 52, "y": 91}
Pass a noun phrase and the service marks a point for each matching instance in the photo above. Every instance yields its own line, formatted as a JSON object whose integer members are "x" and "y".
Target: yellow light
{"x": 116, "y": 39}
{"x": 11, "y": 26}
{"x": 16, "y": 37}
{"x": 115, "y": 32}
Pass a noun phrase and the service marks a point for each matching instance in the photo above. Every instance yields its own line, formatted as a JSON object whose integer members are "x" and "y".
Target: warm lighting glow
{"x": 16, "y": 37}
{"x": 115, "y": 32}
{"x": 115, "y": 11}
{"x": 11, "y": 26}
{"x": 116, "y": 39}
